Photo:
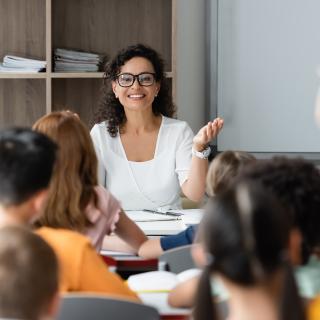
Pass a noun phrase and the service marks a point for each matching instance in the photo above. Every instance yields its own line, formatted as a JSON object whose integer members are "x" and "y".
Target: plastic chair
{"x": 177, "y": 260}
{"x": 84, "y": 307}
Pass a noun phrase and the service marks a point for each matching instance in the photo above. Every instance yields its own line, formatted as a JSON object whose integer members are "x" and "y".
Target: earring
{"x": 116, "y": 96}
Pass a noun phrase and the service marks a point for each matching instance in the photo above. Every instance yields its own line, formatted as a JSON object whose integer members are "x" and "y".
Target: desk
{"x": 159, "y": 301}
{"x": 127, "y": 264}
{"x": 154, "y": 227}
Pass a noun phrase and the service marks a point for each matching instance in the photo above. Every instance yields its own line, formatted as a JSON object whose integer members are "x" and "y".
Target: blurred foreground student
{"x": 26, "y": 164}
{"x": 221, "y": 173}
{"x": 75, "y": 200}
{"x": 244, "y": 238}
{"x": 28, "y": 276}
{"x": 295, "y": 183}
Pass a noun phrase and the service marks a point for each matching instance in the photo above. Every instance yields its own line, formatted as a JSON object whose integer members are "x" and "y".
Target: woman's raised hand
{"x": 207, "y": 133}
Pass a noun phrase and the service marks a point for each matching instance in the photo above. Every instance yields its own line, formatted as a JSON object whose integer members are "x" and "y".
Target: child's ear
{"x": 294, "y": 247}
{"x": 39, "y": 200}
{"x": 53, "y": 306}
{"x": 199, "y": 255}
{"x": 36, "y": 205}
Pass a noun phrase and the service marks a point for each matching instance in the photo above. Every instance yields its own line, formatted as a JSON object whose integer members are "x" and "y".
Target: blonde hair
{"x": 75, "y": 173}
{"x": 224, "y": 168}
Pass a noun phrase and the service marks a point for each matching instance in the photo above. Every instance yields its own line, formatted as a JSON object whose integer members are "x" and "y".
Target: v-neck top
{"x": 151, "y": 184}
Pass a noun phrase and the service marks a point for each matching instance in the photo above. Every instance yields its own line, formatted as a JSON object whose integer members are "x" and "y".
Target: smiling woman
{"x": 144, "y": 153}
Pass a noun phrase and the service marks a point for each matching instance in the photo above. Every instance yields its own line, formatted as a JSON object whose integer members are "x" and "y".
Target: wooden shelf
{"x": 34, "y": 28}
{"x": 64, "y": 75}
{"x": 40, "y": 75}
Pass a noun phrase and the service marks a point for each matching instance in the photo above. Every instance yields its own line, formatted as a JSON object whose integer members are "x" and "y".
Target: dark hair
{"x": 245, "y": 234}
{"x": 111, "y": 109}
{"x": 296, "y": 184}
{"x": 26, "y": 163}
{"x": 28, "y": 274}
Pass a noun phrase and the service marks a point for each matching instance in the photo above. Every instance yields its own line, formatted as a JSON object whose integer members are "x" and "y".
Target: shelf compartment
{"x": 22, "y": 25}
{"x": 105, "y": 26}
{"x": 78, "y": 95}
{"x": 22, "y": 101}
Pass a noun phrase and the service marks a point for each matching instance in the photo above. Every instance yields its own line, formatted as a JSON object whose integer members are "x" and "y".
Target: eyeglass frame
{"x": 136, "y": 77}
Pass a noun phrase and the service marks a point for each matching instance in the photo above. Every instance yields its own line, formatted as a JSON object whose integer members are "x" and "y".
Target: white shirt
{"x": 152, "y": 184}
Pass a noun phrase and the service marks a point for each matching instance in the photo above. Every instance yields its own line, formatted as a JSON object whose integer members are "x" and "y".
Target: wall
{"x": 191, "y": 62}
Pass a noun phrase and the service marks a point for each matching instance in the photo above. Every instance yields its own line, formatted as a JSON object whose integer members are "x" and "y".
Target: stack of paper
{"x": 76, "y": 61}
{"x": 21, "y": 64}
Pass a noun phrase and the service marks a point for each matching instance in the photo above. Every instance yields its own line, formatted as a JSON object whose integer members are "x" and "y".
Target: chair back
{"x": 177, "y": 260}
{"x": 84, "y": 307}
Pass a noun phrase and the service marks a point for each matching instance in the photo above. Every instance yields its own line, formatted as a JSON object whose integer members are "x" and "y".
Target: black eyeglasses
{"x": 145, "y": 79}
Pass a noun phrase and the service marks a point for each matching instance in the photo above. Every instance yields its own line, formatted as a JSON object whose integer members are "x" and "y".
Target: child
{"x": 75, "y": 200}
{"x": 221, "y": 173}
{"x": 244, "y": 238}
{"x": 28, "y": 276}
{"x": 26, "y": 164}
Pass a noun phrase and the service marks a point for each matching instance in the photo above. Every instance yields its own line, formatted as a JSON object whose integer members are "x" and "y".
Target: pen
{"x": 167, "y": 213}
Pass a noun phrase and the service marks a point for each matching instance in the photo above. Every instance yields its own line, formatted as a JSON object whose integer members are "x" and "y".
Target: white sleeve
{"x": 183, "y": 153}
{"x": 97, "y": 143}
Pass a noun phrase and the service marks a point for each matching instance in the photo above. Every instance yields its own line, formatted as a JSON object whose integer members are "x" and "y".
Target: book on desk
{"x": 162, "y": 224}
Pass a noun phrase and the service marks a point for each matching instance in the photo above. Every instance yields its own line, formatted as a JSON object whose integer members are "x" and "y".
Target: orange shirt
{"x": 314, "y": 309}
{"x": 81, "y": 268}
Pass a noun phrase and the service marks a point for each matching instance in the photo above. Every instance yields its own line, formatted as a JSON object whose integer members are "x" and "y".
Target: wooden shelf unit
{"x": 34, "y": 28}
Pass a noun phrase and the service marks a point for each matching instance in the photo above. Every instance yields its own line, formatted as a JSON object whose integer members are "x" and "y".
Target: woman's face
{"x": 136, "y": 97}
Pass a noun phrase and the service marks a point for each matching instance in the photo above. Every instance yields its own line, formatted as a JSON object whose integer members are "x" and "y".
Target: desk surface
{"x": 169, "y": 227}
{"x": 159, "y": 301}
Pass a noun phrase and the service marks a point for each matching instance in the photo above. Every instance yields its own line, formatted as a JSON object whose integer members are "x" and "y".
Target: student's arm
{"x": 151, "y": 249}
{"x": 182, "y": 296}
{"x": 129, "y": 236}
{"x": 94, "y": 276}
{"x": 154, "y": 248}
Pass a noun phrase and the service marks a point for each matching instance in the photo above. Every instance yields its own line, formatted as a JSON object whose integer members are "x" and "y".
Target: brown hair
{"x": 75, "y": 174}
{"x": 28, "y": 274}
{"x": 224, "y": 168}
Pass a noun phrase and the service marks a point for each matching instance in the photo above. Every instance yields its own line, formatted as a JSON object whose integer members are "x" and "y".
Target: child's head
{"x": 75, "y": 173}
{"x": 224, "y": 168}
{"x": 245, "y": 235}
{"x": 296, "y": 185}
{"x": 28, "y": 275}
{"x": 26, "y": 163}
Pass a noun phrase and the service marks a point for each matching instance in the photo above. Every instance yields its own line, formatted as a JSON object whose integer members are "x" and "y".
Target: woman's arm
{"x": 128, "y": 238}
{"x": 194, "y": 186}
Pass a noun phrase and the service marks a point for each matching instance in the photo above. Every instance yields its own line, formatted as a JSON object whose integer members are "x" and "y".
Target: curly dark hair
{"x": 111, "y": 109}
{"x": 296, "y": 184}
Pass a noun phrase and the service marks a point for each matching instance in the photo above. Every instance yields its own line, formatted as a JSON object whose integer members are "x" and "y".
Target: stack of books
{"x": 76, "y": 61}
{"x": 20, "y": 64}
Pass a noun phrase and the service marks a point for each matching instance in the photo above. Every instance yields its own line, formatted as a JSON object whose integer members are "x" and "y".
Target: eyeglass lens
{"x": 127, "y": 79}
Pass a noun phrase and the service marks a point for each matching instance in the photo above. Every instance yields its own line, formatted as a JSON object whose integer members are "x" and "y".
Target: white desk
{"x": 159, "y": 301}
{"x": 156, "y": 227}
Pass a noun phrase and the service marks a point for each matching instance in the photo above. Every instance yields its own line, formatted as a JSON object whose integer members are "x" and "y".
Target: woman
{"x": 144, "y": 154}
{"x": 75, "y": 200}
{"x": 244, "y": 237}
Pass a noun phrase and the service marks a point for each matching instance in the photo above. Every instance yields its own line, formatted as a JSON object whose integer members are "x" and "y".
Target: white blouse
{"x": 152, "y": 184}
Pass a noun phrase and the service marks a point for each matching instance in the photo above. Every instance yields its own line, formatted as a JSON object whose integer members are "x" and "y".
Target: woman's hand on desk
{"x": 207, "y": 133}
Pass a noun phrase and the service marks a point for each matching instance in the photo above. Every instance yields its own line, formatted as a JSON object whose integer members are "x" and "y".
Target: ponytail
{"x": 290, "y": 304}
{"x": 204, "y": 308}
